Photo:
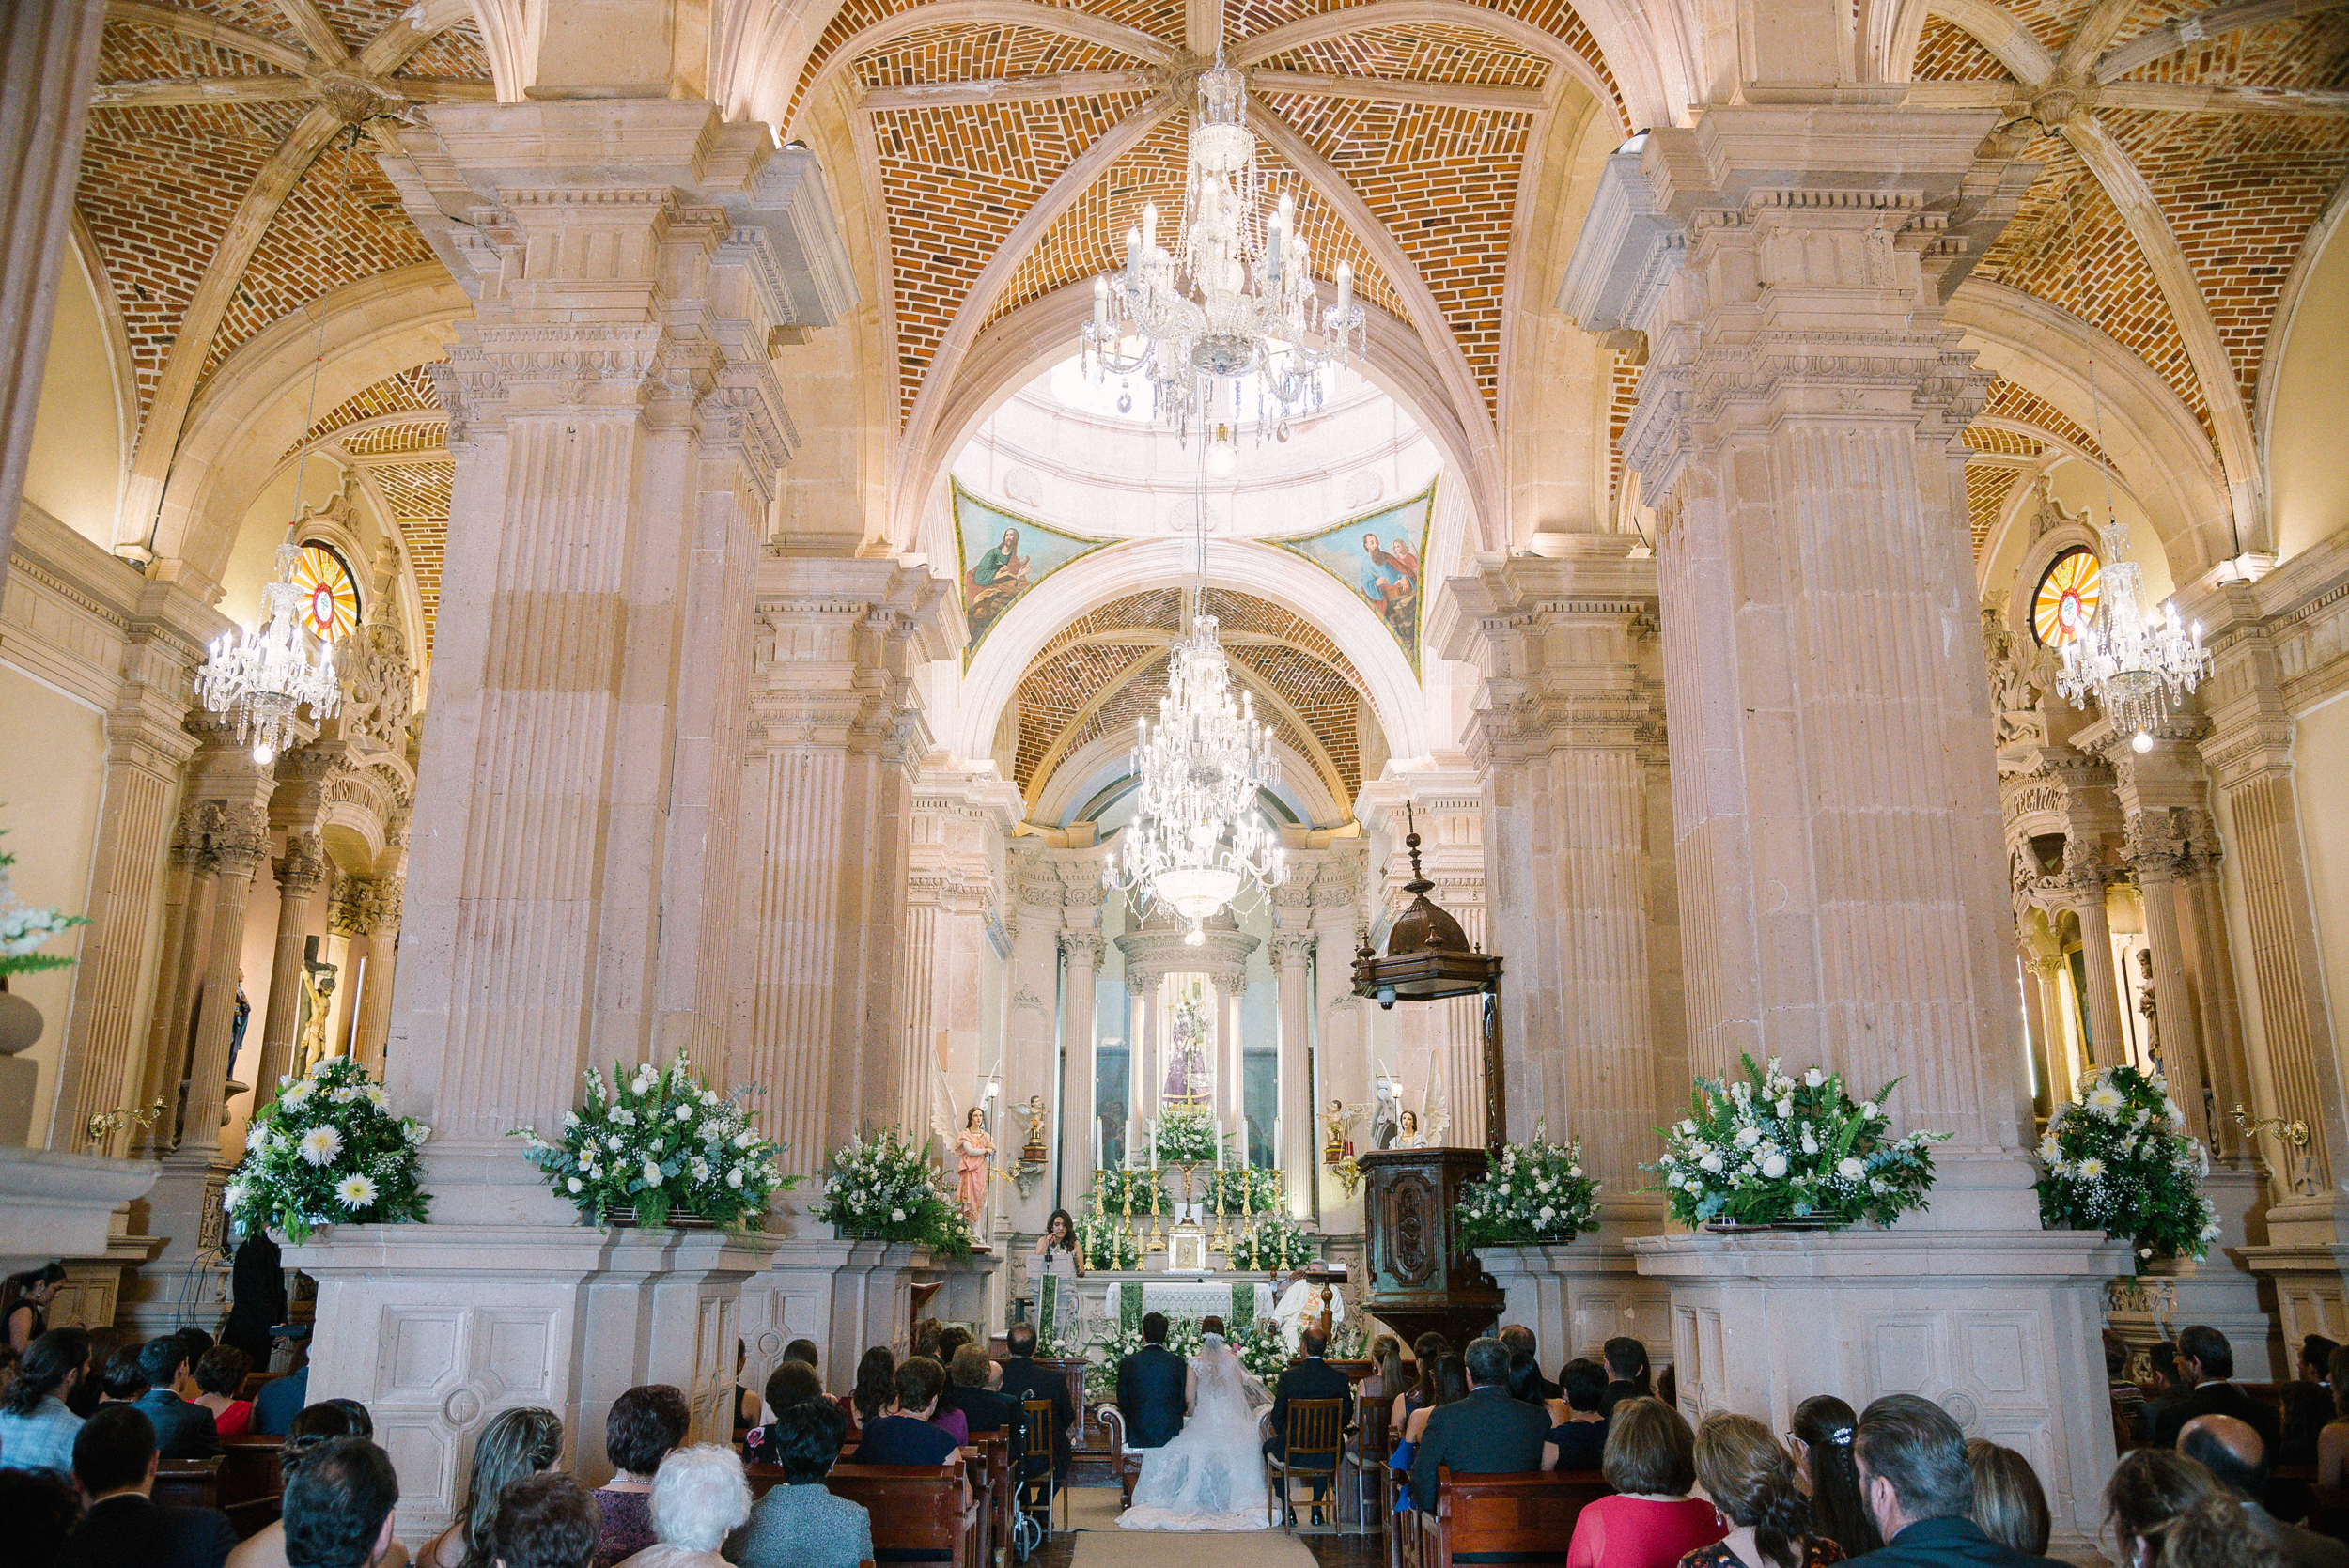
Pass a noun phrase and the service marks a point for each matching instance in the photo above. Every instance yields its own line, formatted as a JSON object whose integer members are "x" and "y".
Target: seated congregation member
{"x": 2010, "y": 1505}
{"x": 1914, "y": 1476}
{"x": 218, "y": 1374}
{"x": 114, "y": 1463}
{"x": 1425, "y": 1351}
{"x": 1580, "y": 1441}
{"x": 2206, "y": 1367}
{"x": 282, "y": 1399}
{"x": 907, "y": 1436}
{"x": 1750, "y": 1482}
{"x": 1151, "y": 1385}
{"x": 1447, "y": 1378}
{"x": 1525, "y": 1383}
{"x": 800, "y": 1524}
{"x": 2332, "y": 1443}
{"x": 1023, "y": 1380}
{"x": 41, "y": 1509}
{"x": 2309, "y": 1403}
{"x": 516, "y": 1445}
{"x": 2163, "y": 1387}
{"x": 1487, "y": 1434}
{"x": 1651, "y": 1521}
{"x": 791, "y": 1383}
{"x": 545, "y": 1521}
{"x": 338, "y": 1507}
{"x": 122, "y": 1381}
{"x": 875, "y": 1387}
{"x": 1517, "y": 1336}
{"x": 313, "y": 1430}
{"x": 698, "y": 1500}
{"x": 644, "y": 1424}
{"x": 182, "y": 1430}
{"x": 1387, "y": 1380}
{"x": 2166, "y": 1510}
{"x": 2232, "y": 1453}
{"x": 1313, "y": 1378}
{"x": 1626, "y": 1373}
{"x": 983, "y": 1409}
{"x": 37, "y": 1429}
{"x": 2128, "y": 1400}
{"x": 1821, "y": 1442}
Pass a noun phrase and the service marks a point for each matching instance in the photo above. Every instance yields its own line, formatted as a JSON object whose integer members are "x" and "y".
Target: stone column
{"x": 1225, "y": 996}
{"x": 1300, "y": 1146}
{"x": 2214, "y": 971}
{"x": 171, "y": 1023}
{"x": 2085, "y": 880}
{"x": 2153, "y": 852}
{"x": 365, "y": 914}
{"x": 1078, "y": 1158}
{"x": 298, "y": 874}
{"x": 1143, "y": 1070}
{"x": 1835, "y": 808}
{"x": 48, "y": 57}
{"x": 238, "y": 851}
{"x": 2063, "y": 1063}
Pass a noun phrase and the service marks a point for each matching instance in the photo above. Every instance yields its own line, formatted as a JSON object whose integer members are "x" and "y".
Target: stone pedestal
{"x": 1998, "y": 1328}
{"x": 2306, "y": 1263}
{"x": 846, "y": 1295}
{"x": 59, "y": 1206}
{"x": 434, "y": 1328}
{"x": 1578, "y": 1295}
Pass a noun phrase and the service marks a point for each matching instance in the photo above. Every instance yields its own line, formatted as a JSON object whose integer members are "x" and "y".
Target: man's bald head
{"x": 2230, "y": 1450}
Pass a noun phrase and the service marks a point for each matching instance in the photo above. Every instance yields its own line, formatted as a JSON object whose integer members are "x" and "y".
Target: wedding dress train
{"x": 1210, "y": 1475}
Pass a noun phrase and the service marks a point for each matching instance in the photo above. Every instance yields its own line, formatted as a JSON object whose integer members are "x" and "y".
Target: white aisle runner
{"x": 1093, "y": 1513}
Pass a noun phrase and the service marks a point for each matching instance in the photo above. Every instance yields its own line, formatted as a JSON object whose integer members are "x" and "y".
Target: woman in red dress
{"x": 1651, "y": 1521}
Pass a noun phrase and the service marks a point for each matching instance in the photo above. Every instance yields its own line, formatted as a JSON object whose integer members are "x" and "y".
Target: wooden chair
{"x": 913, "y": 1507}
{"x": 1036, "y": 1485}
{"x": 1370, "y": 1451}
{"x": 1125, "y": 1463}
{"x": 188, "y": 1482}
{"x": 1528, "y": 1516}
{"x": 1310, "y": 1452}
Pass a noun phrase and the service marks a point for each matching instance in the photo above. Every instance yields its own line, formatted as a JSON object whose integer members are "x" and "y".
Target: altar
{"x": 1103, "y": 1302}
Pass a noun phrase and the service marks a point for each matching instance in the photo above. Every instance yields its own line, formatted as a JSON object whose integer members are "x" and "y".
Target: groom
{"x": 1150, "y": 1388}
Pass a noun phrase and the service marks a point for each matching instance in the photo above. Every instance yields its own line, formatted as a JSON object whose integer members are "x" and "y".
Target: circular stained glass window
{"x": 330, "y": 595}
{"x": 2066, "y": 599}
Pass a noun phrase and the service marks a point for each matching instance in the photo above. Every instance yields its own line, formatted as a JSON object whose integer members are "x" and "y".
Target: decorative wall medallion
{"x": 1378, "y": 556}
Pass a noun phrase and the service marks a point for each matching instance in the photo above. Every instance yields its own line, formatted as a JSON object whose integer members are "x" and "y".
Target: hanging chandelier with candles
{"x": 1232, "y": 304}
{"x": 258, "y": 675}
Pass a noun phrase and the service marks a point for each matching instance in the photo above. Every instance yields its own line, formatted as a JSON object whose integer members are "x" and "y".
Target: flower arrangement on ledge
{"x": 1187, "y": 1136}
{"x": 1273, "y": 1244}
{"x": 1534, "y": 1194}
{"x": 1768, "y": 1149}
{"x": 1106, "y": 1241}
{"x": 880, "y": 1185}
{"x": 658, "y": 1143}
{"x": 2120, "y": 1161}
{"x": 1243, "y": 1190}
{"x": 328, "y": 1151}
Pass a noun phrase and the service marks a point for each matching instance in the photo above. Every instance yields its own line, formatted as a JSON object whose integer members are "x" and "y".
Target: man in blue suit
{"x": 1151, "y": 1385}
{"x": 182, "y": 1430}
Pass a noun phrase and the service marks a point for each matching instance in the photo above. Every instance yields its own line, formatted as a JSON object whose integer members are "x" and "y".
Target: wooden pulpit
{"x": 1420, "y": 1279}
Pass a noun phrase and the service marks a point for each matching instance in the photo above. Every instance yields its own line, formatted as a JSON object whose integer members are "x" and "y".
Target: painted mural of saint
{"x": 1390, "y": 582}
{"x": 995, "y": 580}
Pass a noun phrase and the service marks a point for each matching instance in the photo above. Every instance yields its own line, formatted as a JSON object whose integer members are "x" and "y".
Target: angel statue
{"x": 1435, "y": 1113}
{"x": 1033, "y": 1151}
{"x": 1337, "y": 1125}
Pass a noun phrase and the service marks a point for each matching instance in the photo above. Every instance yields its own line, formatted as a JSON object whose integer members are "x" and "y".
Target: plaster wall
{"x": 75, "y": 470}
{"x": 2320, "y": 776}
{"x": 2308, "y": 484}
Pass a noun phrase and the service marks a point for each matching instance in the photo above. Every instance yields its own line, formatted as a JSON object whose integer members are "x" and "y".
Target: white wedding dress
{"x": 1210, "y": 1476}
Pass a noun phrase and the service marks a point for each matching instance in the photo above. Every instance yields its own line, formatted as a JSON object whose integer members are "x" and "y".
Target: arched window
{"x": 2065, "y": 600}
{"x": 330, "y": 594}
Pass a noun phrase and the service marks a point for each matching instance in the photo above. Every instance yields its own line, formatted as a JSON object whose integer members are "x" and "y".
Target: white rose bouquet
{"x": 328, "y": 1151}
{"x": 881, "y": 1187}
{"x": 1186, "y": 1135}
{"x": 2119, "y": 1160}
{"x": 1273, "y": 1244}
{"x": 662, "y": 1142}
{"x": 1768, "y": 1148}
{"x": 1532, "y": 1194}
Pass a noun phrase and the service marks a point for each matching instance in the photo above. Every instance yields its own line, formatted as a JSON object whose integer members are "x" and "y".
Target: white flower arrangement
{"x": 660, "y": 1141}
{"x": 1186, "y": 1136}
{"x": 881, "y": 1187}
{"x": 2120, "y": 1161}
{"x": 1767, "y": 1149}
{"x": 328, "y": 1151}
{"x": 24, "y": 929}
{"x": 1273, "y": 1244}
{"x": 1534, "y": 1194}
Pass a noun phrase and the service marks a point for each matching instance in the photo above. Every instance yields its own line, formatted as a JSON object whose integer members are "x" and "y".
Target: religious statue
{"x": 2146, "y": 1005}
{"x": 1188, "y": 1082}
{"x": 1338, "y": 1132}
{"x": 317, "y": 992}
{"x": 973, "y": 1149}
{"x": 1406, "y": 1134}
{"x": 1033, "y": 1152}
{"x": 1387, "y": 1098}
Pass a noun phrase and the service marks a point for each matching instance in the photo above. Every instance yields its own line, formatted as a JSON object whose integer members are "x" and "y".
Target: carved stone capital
{"x": 302, "y": 866}
{"x": 1082, "y": 947}
{"x": 1295, "y": 948}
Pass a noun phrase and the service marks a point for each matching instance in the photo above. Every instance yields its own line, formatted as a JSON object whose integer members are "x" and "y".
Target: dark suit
{"x": 182, "y": 1431}
{"x": 1150, "y": 1386}
{"x": 985, "y": 1410}
{"x": 1310, "y": 1378}
{"x": 1619, "y": 1391}
{"x": 257, "y": 1289}
{"x": 2217, "y": 1399}
{"x": 2299, "y": 1548}
{"x": 1948, "y": 1543}
{"x": 130, "y": 1531}
{"x": 1486, "y": 1434}
{"x": 1023, "y": 1380}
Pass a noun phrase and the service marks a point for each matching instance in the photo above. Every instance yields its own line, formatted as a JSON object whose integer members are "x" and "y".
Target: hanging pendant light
{"x": 260, "y": 675}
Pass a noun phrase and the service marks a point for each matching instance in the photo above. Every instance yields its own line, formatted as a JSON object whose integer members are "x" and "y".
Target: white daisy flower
{"x": 2104, "y": 1097}
{"x": 319, "y": 1145}
{"x": 575, "y": 1185}
{"x": 2090, "y": 1169}
{"x": 354, "y": 1191}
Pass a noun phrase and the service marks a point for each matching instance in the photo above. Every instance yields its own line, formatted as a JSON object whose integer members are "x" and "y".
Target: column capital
{"x": 835, "y": 645}
{"x": 1083, "y": 948}
{"x": 302, "y": 866}
{"x": 1293, "y": 948}
{"x": 2153, "y": 845}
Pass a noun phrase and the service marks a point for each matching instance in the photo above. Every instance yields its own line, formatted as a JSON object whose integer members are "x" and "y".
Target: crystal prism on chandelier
{"x": 2135, "y": 667}
{"x": 1198, "y": 840}
{"x": 1236, "y": 298}
{"x": 260, "y": 675}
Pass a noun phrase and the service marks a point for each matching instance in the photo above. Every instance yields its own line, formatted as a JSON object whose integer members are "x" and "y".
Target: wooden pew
{"x": 1003, "y": 1500}
{"x": 188, "y": 1482}
{"x": 1530, "y": 1516}
{"x": 913, "y": 1507}
{"x": 252, "y": 1482}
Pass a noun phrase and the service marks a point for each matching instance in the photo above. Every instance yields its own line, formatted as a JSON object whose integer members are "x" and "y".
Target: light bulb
{"x": 1222, "y": 459}
{"x": 2143, "y": 742}
{"x": 265, "y": 754}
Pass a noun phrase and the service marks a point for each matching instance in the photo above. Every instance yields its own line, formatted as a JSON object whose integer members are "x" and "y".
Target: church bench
{"x": 188, "y": 1482}
{"x": 1124, "y": 1465}
{"x": 252, "y": 1481}
{"x": 914, "y": 1508}
{"x": 1530, "y": 1516}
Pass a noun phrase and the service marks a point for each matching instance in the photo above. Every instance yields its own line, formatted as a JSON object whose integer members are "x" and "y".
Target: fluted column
{"x": 240, "y": 850}
{"x": 1078, "y": 1157}
{"x": 2213, "y": 969}
{"x": 2063, "y": 1064}
{"x": 382, "y": 973}
{"x": 300, "y": 871}
{"x": 171, "y": 1021}
{"x": 2154, "y": 850}
{"x": 2084, "y": 895}
{"x": 1300, "y": 1151}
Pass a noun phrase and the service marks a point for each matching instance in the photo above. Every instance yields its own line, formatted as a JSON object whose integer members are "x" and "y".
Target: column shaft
{"x": 2213, "y": 970}
{"x": 2173, "y": 1009}
{"x": 2108, "y": 1036}
{"x": 170, "y": 1024}
{"x": 242, "y": 852}
{"x": 298, "y": 875}
{"x": 1300, "y": 1147}
{"x": 1079, "y": 1154}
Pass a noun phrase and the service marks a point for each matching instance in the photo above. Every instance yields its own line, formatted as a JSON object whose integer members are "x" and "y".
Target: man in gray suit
{"x": 1486, "y": 1434}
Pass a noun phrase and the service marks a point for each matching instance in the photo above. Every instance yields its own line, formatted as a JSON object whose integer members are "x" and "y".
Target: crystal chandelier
{"x": 1233, "y": 302}
{"x": 1198, "y": 840}
{"x": 258, "y": 675}
{"x": 2134, "y": 665}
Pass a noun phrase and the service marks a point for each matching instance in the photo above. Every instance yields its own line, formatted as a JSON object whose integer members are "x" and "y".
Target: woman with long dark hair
{"x": 875, "y": 1386}
{"x": 1445, "y": 1379}
{"x": 1425, "y": 1351}
{"x": 26, "y": 1304}
{"x": 1057, "y": 1257}
{"x": 1821, "y": 1441}
{"x": 37, "y": 1431}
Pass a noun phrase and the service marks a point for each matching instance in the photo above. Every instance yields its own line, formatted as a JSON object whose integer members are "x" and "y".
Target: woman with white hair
{"x": 699, "y": 1498}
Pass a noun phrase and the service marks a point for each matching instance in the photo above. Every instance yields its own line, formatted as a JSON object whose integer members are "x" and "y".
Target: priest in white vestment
{"x": 1302, "y": 1302}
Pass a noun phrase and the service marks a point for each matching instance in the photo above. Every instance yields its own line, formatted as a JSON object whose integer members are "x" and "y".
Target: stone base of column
{"x": 436, "y": 1327}
{"x": 846, "y": 1295}
{"x": 2222, "y": 1290}
{"x": 1579, "y": 1295}
{"x": 2305, "y": 1264}
{"x": 186, "y": 1281}
{"x": 2000, "y": 1328}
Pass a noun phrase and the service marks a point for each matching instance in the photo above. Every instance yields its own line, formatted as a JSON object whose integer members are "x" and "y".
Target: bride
{"x": 1210, "y": 1475}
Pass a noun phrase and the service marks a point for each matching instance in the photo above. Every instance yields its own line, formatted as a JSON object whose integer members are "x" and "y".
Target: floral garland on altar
{"x": 880, "y": 1185}
{"x": 659, "y": 1142}
{"x": 328, "y": 1151}
{"x": 2120, "y": 1160}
